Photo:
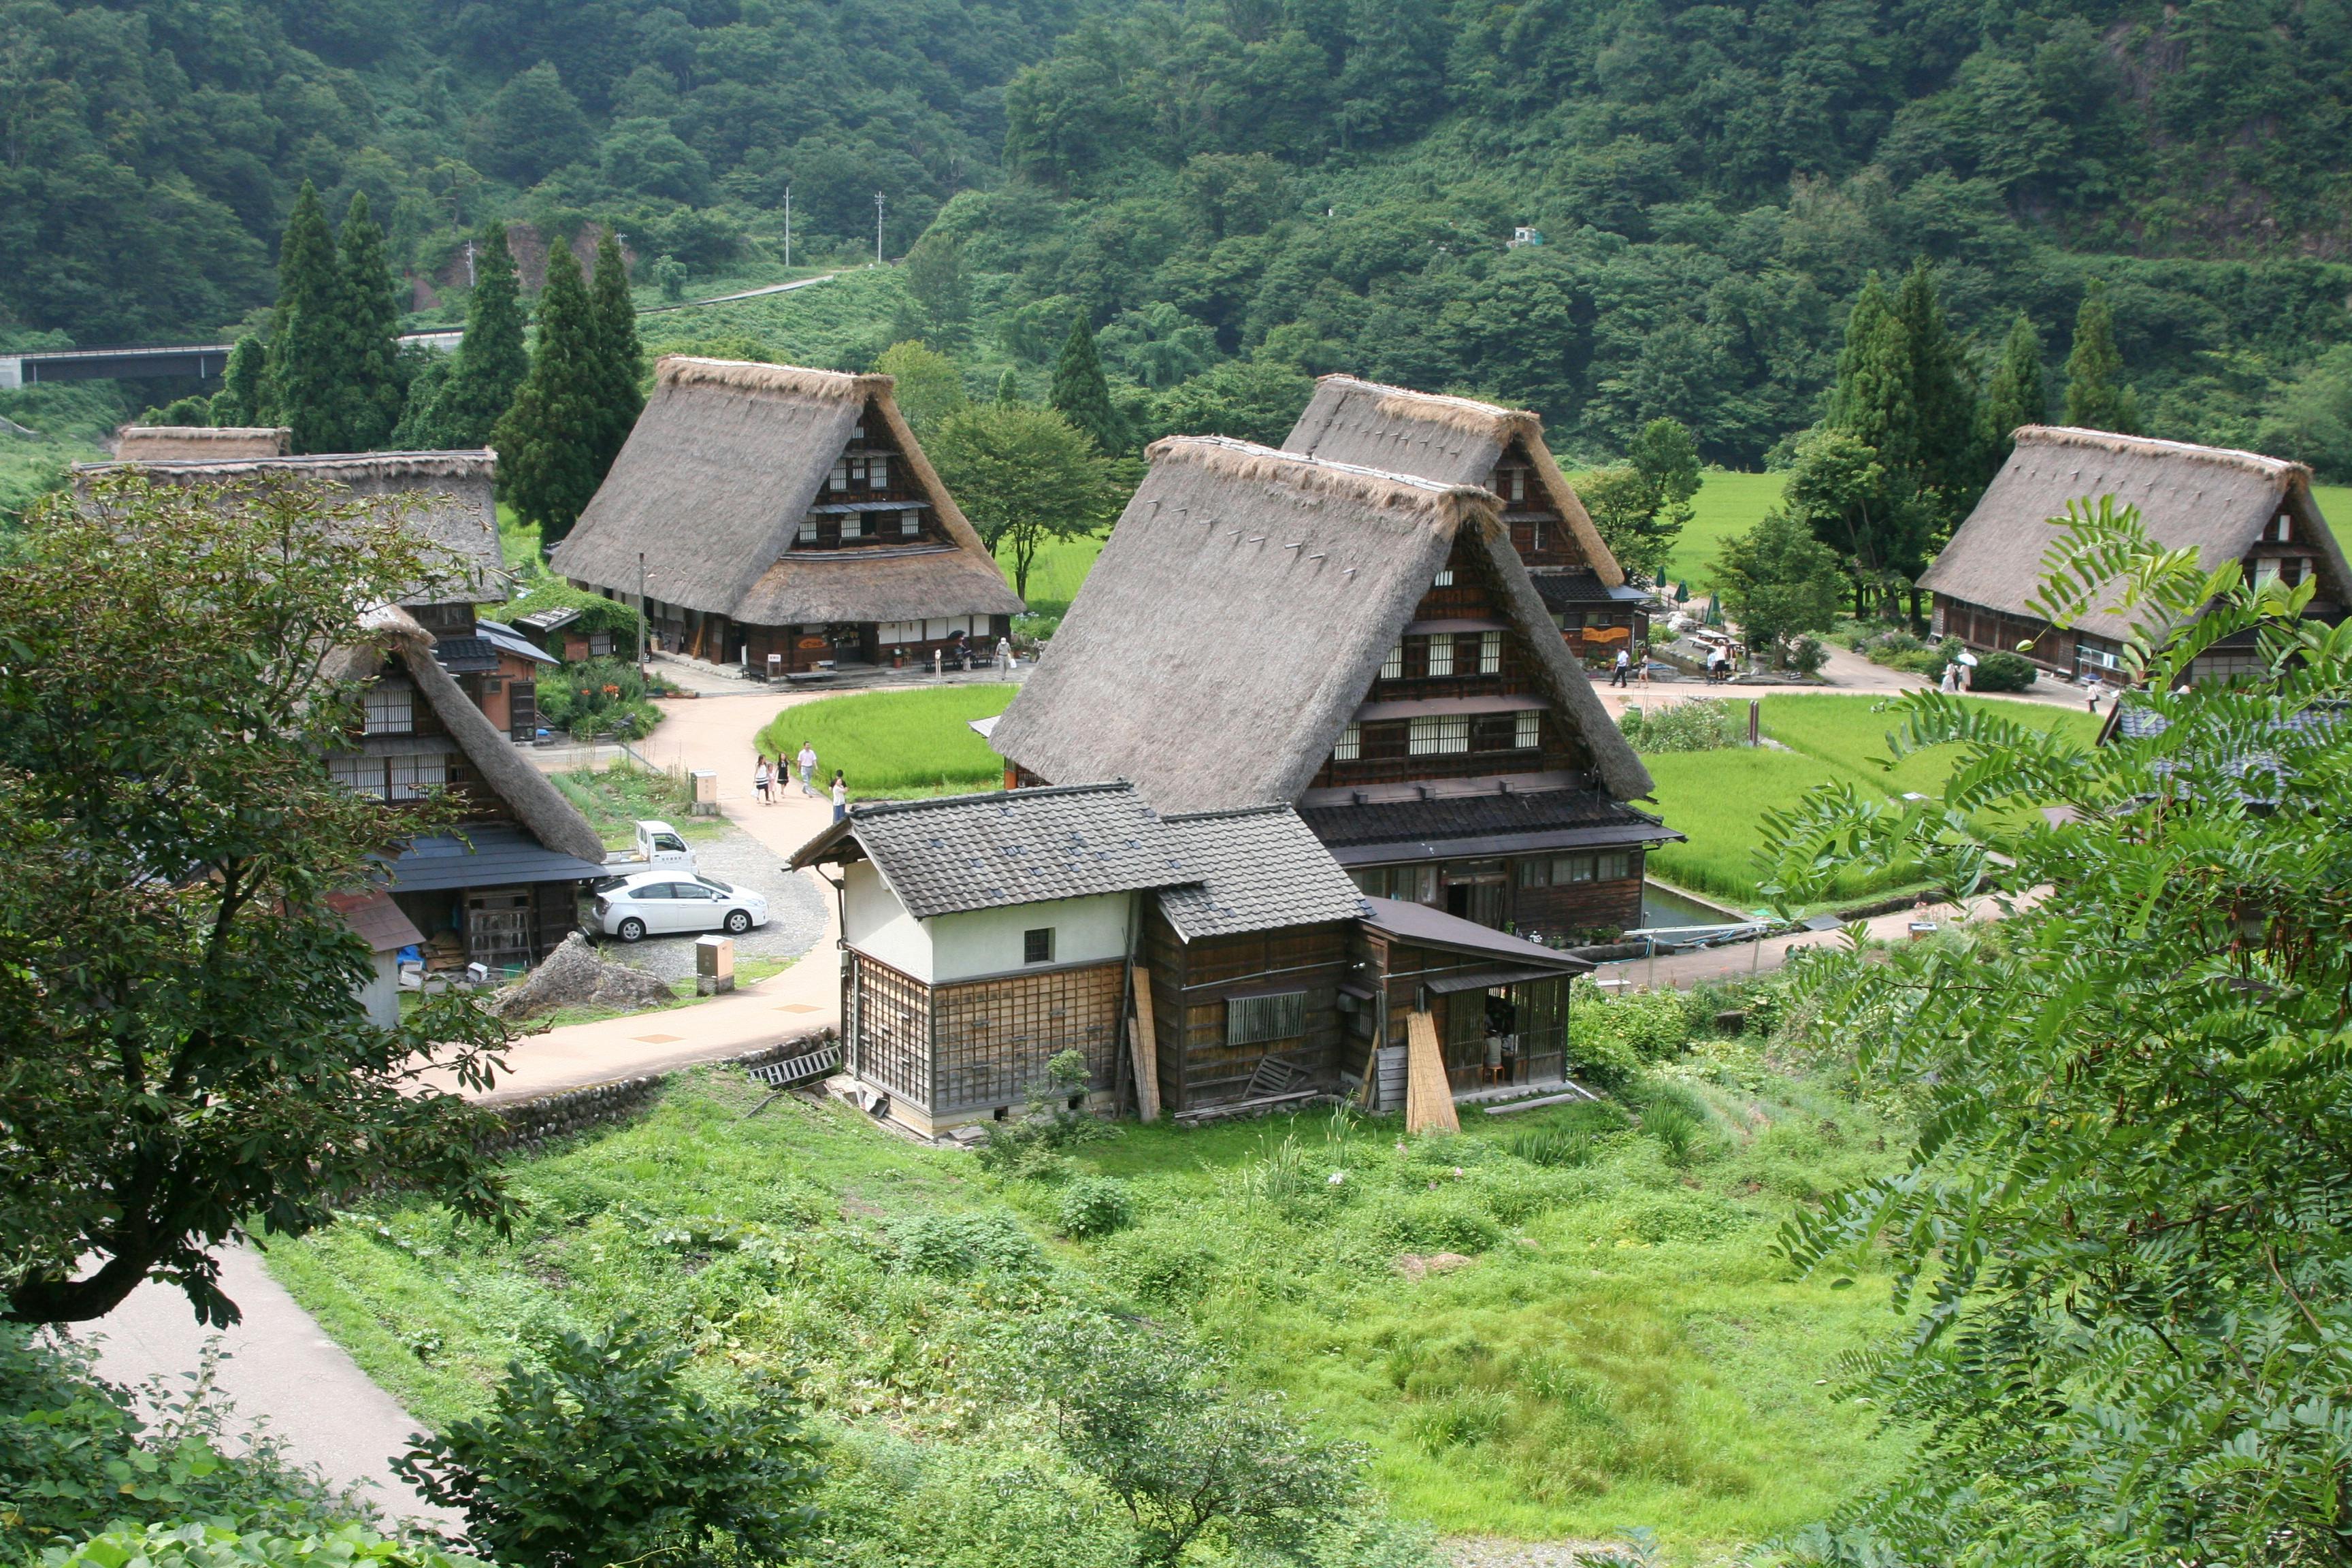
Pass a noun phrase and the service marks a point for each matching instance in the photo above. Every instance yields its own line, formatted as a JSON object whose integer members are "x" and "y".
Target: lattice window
{"x": 358, "y": 772}
{"x": 1527, "y": 729}
{"x": 852, "y": 526}
{"x": 1444, "y": 579}
{"x": 1037, "y": 946}
{"x": 1441, "y": 656}
{"x": 1490, "y": 652}
{"x": 1613, "y": 865}
{"x": 877, "y": 472}
{"x": 1250, "y": 1019}
{"x": 390, "y": 710}
{"x": 995, "y": 1036}
{"x": 840, "y": 476}
{"x": 1393, "y": 667}
{"x": 808, "y": 531}
{"x": 1438, "y": 736}
{"x": 416, "y": 777}
{"x": 1351, "y": 744}
{"x": 910, "y": 524}
{"x": 891, "y": 1034}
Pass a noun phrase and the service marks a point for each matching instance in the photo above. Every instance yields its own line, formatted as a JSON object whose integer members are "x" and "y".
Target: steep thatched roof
{"x": 1455, "y": 440}
{"x": 2211, "y": 499}
{"x": 711, "y": 488}
{"x": 537, "y": 804}
{"x": 1240, "y": 612}
{"x": 202, "y": 443}
{"x": 450, "y": 498}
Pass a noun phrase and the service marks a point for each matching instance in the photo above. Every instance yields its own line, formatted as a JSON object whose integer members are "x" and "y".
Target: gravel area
{"x": 1491, "y": 1551}
{"x": 796, "y": 909}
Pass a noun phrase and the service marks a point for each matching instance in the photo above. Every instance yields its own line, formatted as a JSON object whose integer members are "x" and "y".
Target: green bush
{"x": 600, "y": 1454}
{"x": 1560, "y": 1146}
{"x": 955, "y": 1246}
{"x": 598, "y": 697}
{"x": 217, "y": 1545}
{"x": 2002, "y": 672}
{"x": 1694, "y": 724}
{"x": 1610, "y": 1037}
{"x": 1436, "y": 1222}
{"x": 1096, "y": 1206}
{"x": 75, "y": 1456}
{"x": 1161, "y": 1263}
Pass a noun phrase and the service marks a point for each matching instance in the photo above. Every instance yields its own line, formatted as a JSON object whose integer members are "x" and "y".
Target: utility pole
{"x": 877, "y": 228}
{"x": 644, "y": 620}
{"x": 788, "y": 228}
{"x": 469, "y": 264}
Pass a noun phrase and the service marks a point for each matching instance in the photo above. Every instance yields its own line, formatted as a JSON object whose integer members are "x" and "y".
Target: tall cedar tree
{"x": 492, "y": 361}
{"x": 239, "y": 400}
{"x": 550, "y": 439}
{"x": 621, "y": 360}
{"x": 2096, "y": 397}
{"x": 302, "y": 352}
{"x": 1943, "y": 403}
{"x": 370, "y": 389}
{"x": 2017, "y": 395}
{"x": 1871, "y": 399}
{"x": 1080, "y": 392}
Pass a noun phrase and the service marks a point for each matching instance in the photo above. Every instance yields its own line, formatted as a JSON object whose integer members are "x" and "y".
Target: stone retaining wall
{"x": 533, "y": 1122}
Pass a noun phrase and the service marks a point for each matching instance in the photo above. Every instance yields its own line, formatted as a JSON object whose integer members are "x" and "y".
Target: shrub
{"x": 602, "y": 1455}
{"x": 953, "y": 1246}
{"x": 2002, "y": 672}
{"x": 1557, "y": 1146}
{"x": 217, "y": 1545}
{"x": 1806, "y": 656}
{"x": 1437, "y": 1222}
{"x": 598, "y": 697}
{"x": 1097, "y": 1205}
{"x": 1609, "y": 1037}
{"x": 1161, "y": 1265}
{"x": 1694, "y": 724}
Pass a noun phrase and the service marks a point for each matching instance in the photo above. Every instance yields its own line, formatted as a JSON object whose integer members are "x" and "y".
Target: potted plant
{"x": 897, "y": 658}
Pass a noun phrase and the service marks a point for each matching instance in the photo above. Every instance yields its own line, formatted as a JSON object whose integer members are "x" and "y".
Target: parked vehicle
{"x": 658, "y": 903}
{"x": 660, "y": 847}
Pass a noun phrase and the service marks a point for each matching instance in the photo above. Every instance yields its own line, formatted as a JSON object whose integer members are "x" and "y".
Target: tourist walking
{"x": 1004, "y": 656}
{"x": 807, "y": 760}
{"x": 840, "y": 796}
{"x": 1624, "y": 666}
{"x": 762, "y": 781}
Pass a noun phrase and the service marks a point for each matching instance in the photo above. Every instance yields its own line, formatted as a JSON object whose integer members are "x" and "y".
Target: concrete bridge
{"x": 196, "y": 361}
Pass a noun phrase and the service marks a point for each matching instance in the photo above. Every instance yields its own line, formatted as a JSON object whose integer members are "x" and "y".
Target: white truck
{"x": 660, "y": 847}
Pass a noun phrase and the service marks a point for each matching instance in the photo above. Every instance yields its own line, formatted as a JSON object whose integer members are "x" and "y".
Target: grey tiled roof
{"x": 1020, "y": 847}
{"x": 1260, "y": 870}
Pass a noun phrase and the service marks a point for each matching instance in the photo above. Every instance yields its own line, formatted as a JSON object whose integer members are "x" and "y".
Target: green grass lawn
{"x": 1618, "y": 1345}
{"x": 1720, "y": 798}
{"x": 616, "y": 798}
{"x": 1055, "y": 574}
{"x": 897, "y": 742}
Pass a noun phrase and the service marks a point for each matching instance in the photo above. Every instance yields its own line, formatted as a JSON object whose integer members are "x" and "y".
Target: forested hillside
{"x": 1295, "y": 185}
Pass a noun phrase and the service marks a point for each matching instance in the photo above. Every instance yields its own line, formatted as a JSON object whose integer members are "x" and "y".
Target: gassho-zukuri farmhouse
{"x": 785, "y": 519}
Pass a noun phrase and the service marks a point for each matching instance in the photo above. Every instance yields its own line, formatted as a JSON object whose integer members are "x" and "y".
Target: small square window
{"x": 910, "y": 523}
{"x": 853, "y": 527}
{"x": 1571, "y": 869}
{"x": 1037, "y": 946}
{"x": 1535, "y": 873}
{"x": 808, "y": 531}
{"x": 1372, "y": 881}
{"x": 391, "y": 711}
{"x": 1615, "y": 865}
{"x": 1444, "y": 579}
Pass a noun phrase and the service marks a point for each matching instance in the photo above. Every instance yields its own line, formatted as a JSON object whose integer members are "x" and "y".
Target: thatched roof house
{"x": 450, "y": 498}
{"x": 503, "y": 889}
{"x": 1267, "y": 627}
{"x": 1459, "y": 440}
{"x": 2226, "y": 505}
{"x": 201, "y": 443}
{"x": 773, "y": 510}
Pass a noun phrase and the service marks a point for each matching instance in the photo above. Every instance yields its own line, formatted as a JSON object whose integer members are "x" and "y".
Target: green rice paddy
{"x": 897, "y": 742}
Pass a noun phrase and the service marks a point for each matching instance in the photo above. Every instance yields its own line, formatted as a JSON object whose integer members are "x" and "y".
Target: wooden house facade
{"x": 503, "y": 889}
{"x": 2226, "y": 505}
{"x": 786, "y": 519}
{"x": 1267, "y": 627}
{"x": 1197, "y": 962}
{"x": 1459, "y": 440}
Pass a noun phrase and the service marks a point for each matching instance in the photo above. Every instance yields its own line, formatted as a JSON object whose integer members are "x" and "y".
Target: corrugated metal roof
{"x": 1261, "y": 870}
{"x": 483, "y": 858}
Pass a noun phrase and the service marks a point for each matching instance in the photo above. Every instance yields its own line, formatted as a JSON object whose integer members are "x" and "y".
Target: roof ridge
{"x": 1373, "y": 486}
{"x": 1267, "y": 809}
{"x": 1443, "y": 407}
{"x": 2155, "y": 447}
{"x": 749, "y": 376}
{"x": 903, "y": 807}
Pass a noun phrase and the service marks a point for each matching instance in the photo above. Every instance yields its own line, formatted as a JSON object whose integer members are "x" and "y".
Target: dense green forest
{"x": 1236, "y": 191}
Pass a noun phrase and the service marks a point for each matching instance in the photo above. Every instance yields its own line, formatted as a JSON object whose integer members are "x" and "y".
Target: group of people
{"x": 769, "y": 780}
{"x": 1631, "y": 666}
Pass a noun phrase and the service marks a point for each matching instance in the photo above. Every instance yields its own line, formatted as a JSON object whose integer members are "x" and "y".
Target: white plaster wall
{"x": 988, "y": 941}
{"x": 879, "y": 925}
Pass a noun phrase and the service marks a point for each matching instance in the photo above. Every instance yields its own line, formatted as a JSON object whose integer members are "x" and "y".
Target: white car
{"x": 656, "y": 903}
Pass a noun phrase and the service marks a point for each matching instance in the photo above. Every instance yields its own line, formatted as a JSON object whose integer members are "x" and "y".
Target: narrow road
{"x": 281, "y": 1371}
{"x": 746, "y": 294}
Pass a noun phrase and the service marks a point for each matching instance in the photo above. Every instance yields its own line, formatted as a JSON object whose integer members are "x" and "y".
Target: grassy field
{"x": 615, "y": 799}
{"x": 1720, "y": 798}
{"x": 897, "y": 742}
{"x": 1055, "y": 576}
{"x": 1616, "y": 1342}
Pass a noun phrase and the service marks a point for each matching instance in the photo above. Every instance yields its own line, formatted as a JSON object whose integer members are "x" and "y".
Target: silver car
{"x": 656, "y": 903}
